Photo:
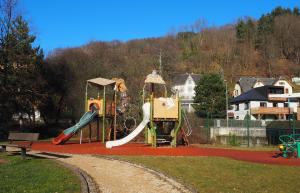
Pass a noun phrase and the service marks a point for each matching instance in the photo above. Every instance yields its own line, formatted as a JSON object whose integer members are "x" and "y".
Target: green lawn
{"x": 34, "y": 175}
{"x": 216, "y": 174}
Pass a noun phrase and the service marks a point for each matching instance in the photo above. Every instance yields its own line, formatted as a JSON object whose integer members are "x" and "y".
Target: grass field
{"x": 34, "y": 175}
{"x": 216, "y": 174}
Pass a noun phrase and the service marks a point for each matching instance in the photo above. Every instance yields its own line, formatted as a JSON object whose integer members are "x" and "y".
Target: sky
{"x": 71, "y": 23}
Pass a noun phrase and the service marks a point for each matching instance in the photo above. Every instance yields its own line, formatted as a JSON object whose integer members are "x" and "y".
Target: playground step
{"x": 162, "y": 141}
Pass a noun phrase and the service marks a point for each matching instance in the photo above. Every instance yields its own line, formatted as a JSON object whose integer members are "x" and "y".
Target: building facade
{"x": 264, "y": 103}
{"x": 247, "y": 83}
{"x": 184, "y": 84}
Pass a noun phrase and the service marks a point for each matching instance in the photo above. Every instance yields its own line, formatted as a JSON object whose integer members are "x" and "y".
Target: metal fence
{"x": 254, "y": 136}
{"x": 251, "y": 132}
{"x": 239, "y": 123}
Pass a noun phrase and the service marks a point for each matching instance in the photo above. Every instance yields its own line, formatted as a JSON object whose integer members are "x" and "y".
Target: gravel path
{"x": 118, "y": 176}
{"x": 114, "y": 176}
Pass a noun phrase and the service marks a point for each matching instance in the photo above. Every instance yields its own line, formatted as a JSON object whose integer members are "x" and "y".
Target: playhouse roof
{"x": 101, "y": 81}
{"x": 154, "y": 78}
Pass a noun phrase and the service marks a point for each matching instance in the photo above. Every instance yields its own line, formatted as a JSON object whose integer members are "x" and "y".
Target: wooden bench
{"x": 20, "y": 140}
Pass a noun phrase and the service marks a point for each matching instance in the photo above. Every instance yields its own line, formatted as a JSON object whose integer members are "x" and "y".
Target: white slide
{"x": 134, "y": 133}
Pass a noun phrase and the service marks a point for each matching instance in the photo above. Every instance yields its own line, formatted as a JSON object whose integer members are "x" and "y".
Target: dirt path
{"x": 113, "y": 176}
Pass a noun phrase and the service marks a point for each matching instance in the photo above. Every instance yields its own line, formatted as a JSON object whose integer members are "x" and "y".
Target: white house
{"x": 264, "y": 103}
{"x": 184, "y": 84}
{"x": 247, "y": 83}
{"x": 296, "y": 80}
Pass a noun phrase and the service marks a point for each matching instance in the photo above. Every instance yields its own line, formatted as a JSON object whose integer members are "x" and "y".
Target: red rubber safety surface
{"x": 265, "y": 157}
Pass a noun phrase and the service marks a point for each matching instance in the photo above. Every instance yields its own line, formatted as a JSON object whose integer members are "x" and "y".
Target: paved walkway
{"x": 113, "y": 176}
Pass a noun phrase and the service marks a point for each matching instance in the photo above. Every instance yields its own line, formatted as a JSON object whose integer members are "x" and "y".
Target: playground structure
{"x": 99, "y": 109}
{"x": 162, "y": 116}
{"x": 290, "y": 145}
{"x": 166, "y": 115}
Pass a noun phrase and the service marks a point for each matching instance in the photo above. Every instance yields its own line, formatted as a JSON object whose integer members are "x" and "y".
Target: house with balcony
{"x": 184, "y": 84}
{"x": 244, "y": 84}
{"x": 264, "y": 103}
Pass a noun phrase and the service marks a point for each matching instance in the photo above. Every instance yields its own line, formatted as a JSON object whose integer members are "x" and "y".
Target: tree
{"x": 210, "y": 94}
{"x": 21, "y": 83}
{"x": 245, "y": 31}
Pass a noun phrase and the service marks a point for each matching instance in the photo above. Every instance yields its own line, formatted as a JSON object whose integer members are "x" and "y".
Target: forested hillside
{"x": 268, "y": 47}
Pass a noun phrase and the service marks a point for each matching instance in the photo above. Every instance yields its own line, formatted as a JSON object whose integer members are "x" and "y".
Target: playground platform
{"x": 135, "y": 149}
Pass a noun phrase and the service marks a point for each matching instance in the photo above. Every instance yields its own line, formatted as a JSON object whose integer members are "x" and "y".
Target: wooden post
{"x": 103, "y": 117}
{"x": 80, "y": 141}
{"x": 23, "y": 152}
{"x": 90, "y": 133}
{"x": 85, "y": 102}
{"x": 98, "y": 132}
{"x": 115, "y": 116}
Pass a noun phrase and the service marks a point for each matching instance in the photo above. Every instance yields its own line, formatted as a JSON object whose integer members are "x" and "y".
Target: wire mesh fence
{"x": 239, "y": 132}
{"x": 251, "y": 132}
{"x": 232, "y": 123}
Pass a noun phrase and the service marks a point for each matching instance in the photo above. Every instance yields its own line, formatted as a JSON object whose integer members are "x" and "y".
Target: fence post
{"x": 248, "y": 128}
{"x": 294, "y": 124}
{"x": 208, "y": 126}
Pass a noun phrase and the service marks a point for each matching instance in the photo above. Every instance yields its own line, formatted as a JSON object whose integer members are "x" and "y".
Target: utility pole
{"x": 226, "y": 90}
{"x": 160, "y": 65}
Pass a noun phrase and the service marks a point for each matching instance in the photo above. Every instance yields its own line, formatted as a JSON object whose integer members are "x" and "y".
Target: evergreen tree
{"x": 21, "y": 84}
{"x": 210, "y": 95}
{"x": 245, "y": 30}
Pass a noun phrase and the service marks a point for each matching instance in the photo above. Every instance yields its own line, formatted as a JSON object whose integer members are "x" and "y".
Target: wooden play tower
{"x": 166, "y": 116}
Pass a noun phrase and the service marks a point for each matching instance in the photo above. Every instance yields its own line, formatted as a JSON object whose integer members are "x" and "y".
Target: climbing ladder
{"x": 188, "y": 131}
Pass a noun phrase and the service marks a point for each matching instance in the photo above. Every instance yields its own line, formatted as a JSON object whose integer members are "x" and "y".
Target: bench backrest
{"x": 23, "y": 136}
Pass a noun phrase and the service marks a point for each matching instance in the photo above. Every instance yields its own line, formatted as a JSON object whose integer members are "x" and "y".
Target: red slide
{"x": 68, "y": 133}
{"x": 61, "y": 138}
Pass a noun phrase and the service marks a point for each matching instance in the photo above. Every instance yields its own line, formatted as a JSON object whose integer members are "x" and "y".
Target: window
{"x": 281, "y": 83}
{"x": 263, "y": 104}
{"x": 286, "y": 91}
{"x": 275, "y": 104}
{"x": 237, "y": 107}
{"x": 286, "y": 104}
{"x": 190, "y": 81}
{"x": 246, "y": 106}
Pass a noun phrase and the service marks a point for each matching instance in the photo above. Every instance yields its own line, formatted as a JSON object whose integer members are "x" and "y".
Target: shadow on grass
{"x": 54, "y": 155}
{"x": 18, "y": 153}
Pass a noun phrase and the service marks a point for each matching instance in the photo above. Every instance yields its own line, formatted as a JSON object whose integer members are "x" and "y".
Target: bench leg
{"x": 23, "y": 152}
{"x": 4, "y": 148}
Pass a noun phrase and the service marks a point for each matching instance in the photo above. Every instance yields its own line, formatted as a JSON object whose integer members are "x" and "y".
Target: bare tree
{"x": 7, "y": 14}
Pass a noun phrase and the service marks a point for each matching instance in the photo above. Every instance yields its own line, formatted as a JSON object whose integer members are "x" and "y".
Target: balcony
{"x": 271, "y": 111}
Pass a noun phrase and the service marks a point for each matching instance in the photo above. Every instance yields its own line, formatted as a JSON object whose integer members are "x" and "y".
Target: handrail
{"x": 189, "y": 128}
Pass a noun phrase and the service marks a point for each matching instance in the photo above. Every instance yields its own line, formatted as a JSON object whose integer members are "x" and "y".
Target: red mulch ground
{"x": 265, "y": 157}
